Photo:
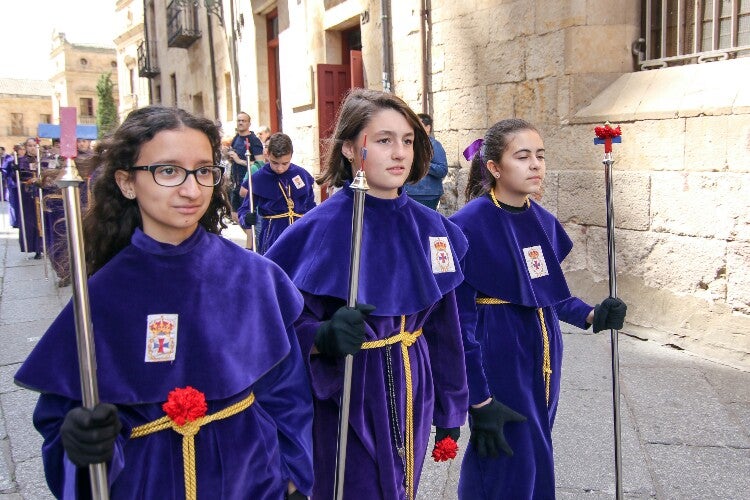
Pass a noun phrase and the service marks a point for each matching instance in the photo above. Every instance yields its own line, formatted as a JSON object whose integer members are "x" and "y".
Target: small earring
{"x": 351, "y": 160}
{"x": 496, "y": 175}
{"x": 130, "y": 195}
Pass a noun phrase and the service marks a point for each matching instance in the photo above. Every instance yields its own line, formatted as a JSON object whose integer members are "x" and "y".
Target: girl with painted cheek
{"x": 404, "y": 334}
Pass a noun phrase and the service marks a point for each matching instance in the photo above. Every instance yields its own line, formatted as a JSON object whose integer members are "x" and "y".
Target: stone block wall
{"x": 681, "y": 177}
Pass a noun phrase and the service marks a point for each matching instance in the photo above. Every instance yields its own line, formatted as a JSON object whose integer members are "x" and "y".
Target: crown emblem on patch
{"x": 534, "y": 254}
{"x": 440, "y": 245}
{"x": 161, "y": 326}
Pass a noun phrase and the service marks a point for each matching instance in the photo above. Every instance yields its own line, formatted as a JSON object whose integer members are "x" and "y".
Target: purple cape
{"x": 504, "y": 343}
{"x": 224, "y": 348}
{"x": 396, "y": 250}
{"x": 496, "y": 264}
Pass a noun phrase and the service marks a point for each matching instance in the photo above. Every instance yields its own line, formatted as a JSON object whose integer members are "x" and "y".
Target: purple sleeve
{"x": 467, "y": 310}
{"x": 284, "y": 393}
{"x": 326, "y": 374}
{"x": 63, "y": 477}
{"x": 243, "y": 210}
{"x": 574, "y": 311}
{"x": 442, "y": 331}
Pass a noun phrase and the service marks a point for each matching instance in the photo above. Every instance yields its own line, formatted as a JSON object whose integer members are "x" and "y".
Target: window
{"x": 84, "y": 62}
{"x": 44, "y": 118}
{"x": 173, "y": 82}
{"x": 157, "y": 94}
{"x": 86, "y": 106}
{"x": 678, "y": 32}
{"x": 16, "y": 124}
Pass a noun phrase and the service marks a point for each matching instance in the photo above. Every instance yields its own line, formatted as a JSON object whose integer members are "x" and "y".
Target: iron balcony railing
{"x": 148, "y": 64}
{"x": 677, "y": 32}
{"x": 182, "y": 24}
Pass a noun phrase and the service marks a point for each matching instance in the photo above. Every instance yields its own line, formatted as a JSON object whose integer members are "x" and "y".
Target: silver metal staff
{"x": 70, "y": 183}
{"x": 20, "y": 203}
{"x": 250, "y": 237}
{"x": 359, "y": 186}
{"x": 608, "y": 135}
{"x": 41, "y": 208}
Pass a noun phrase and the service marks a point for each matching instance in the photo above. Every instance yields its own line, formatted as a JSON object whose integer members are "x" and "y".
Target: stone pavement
{"x": 685, "y": 421}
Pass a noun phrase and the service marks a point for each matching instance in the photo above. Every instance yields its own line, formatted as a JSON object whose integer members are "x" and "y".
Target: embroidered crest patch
{"x": 161, "y": 337}
{"x": 298, "y": 182}
{"x": 535, "y": 262}
{"x": 441, "y": 255}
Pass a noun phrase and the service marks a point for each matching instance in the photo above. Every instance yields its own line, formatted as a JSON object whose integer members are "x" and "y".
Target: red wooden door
{"x": 333, "y": 81}
{"x": 358, "y": 69}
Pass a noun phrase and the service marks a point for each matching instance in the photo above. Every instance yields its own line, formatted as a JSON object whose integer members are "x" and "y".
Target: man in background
{"x": 429, "y": 190}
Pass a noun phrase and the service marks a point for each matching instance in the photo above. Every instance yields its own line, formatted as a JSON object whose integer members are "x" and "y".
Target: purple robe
{"x": 269, "y": 200}
{"x": 29, "y": 199}
{"x": 400, "y": 275}
{"x": 515, "y": 257}
{"x": 9, "y": 178}
{"x": 221, "y": 346}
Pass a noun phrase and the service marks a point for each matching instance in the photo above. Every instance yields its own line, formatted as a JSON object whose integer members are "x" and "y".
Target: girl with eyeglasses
{"x": 175, "y": 351}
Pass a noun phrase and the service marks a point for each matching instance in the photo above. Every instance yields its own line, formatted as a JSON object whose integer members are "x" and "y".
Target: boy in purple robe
{"x": 282, "y": 193}
{"x": 408, "y": 362}
{"x": 171, "y": 340}
{"x": 513, "y": 296}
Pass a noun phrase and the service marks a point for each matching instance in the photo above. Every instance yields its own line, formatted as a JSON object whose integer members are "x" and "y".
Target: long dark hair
{"x": 111, "y": 218}
{"x": 495, "y": 141}
{"x": 356, "y": 112}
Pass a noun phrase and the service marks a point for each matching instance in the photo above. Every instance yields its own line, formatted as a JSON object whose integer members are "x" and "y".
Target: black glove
{"x": 487, "y": 428}
{"x": 344, "y": 333}
{"x": 609, "y": 315}
{"x": 251, "y": 219}
{"x": 88, "y": 436}
{"x": 295, "y": 495}
{"x": 443, "y": 432}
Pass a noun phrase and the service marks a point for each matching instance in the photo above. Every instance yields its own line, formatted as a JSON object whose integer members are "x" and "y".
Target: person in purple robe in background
{"x": 282, "y": 193}
{"x": 510, "y": 305}
{"x": 404, "y": 334}
{"x": 27, "y": 173}
{"x": 9, "y": 167}
{"x": 174, "y": 334}
{"x": 54, "y": 212}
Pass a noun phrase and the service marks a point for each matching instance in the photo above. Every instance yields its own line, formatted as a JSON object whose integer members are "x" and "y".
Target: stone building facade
{"x": 133, "y": 88}
{"x": 682, "y": 179}
{"x": 76, "y": 69}
{"x": 24, "y": 104}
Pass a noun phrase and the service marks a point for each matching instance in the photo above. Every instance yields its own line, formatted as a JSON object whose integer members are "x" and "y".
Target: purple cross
{"x": 442, "y": 258}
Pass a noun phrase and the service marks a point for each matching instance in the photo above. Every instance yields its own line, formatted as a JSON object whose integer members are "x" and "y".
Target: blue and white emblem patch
{"x": 161, "y": 337}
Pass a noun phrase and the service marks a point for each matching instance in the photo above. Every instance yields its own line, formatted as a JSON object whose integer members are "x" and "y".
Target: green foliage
{"x": 106, "y": 112}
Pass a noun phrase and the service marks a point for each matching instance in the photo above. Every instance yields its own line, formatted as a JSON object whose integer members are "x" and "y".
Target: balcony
{"x": 148, "y": 65}
{"x": 182, "y": 24}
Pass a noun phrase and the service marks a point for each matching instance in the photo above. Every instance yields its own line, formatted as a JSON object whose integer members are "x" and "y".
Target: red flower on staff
{"x": 607, "y": 132}
{"x": 445, "y": 449}
{"x": 185, "y": 405}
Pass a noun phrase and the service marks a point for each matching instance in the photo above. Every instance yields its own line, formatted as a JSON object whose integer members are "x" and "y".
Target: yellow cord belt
{"x": 188, "y": 431}
{"x": 546, "y": 363}
{"x": 290, "y": 213}
{"x": 406, "y": 339}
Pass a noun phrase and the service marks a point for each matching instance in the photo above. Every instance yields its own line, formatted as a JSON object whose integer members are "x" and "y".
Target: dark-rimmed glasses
{"x": 173, "y": 175}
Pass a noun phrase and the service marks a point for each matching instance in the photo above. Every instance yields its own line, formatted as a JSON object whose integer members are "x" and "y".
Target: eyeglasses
{"x": 173, "y": 176}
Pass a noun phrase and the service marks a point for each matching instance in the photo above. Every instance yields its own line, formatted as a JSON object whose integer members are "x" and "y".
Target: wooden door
{"x": 333, "y": 81}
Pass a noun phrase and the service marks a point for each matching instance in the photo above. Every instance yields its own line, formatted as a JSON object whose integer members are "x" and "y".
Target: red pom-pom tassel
{"x": 185, "y": 405}
{"x": 445, "y": 449}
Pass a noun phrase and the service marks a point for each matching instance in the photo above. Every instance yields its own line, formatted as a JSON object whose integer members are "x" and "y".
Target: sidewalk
{"x": 685, "y": 421}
